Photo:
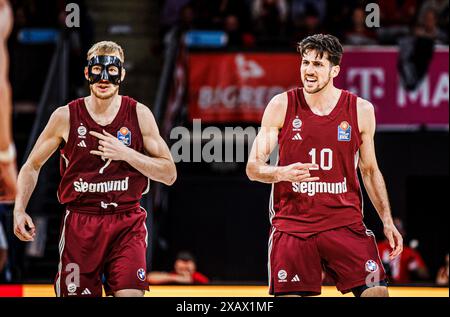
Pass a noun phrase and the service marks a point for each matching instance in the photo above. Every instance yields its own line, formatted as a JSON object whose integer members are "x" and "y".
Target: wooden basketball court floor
{"x": 46, "y": 290}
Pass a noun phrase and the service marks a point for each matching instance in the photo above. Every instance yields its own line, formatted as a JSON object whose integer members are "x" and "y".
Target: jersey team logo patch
{"x": 344, "y": 131}
{"x": 296, "y": 124}
{"x": 72, "y": 288}
{"x": 282, "y": 276}
{"x": 82, "y": 131}
{"x": 124, "y": 135}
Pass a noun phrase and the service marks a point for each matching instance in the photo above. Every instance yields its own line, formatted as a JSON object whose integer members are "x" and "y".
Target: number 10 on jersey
{"x": 326, "y": 159}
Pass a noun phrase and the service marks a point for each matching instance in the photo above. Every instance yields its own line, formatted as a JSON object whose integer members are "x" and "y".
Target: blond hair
{"x": 105, "y": 47}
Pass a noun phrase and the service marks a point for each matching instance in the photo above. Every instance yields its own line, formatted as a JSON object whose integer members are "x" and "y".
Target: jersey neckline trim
{"x": 333, "y": 112}
{"x": 113, "y": 122}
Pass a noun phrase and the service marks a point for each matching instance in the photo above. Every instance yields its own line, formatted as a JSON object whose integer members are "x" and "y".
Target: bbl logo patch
{"x": 371, "y": 266}
{"x": 141, "y": 274}
{"x": 124, "y": 135}
{"x": 344, "y": 131}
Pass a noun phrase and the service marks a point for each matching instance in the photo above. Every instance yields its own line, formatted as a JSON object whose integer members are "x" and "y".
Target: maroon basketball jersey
{"x": 332, "y": 142}
{"x": 90, "y": 182}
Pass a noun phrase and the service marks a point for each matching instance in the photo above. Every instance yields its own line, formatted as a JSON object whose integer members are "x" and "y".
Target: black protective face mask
{"x": 105, "y": 62}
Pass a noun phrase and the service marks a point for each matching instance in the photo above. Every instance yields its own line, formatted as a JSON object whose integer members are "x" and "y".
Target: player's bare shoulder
{"x": 146, "y": 119}
{"x": 366, "y": 115}
{"x": 275, "y": 111}
{"x": 61, "y": 115}
{"x": 59, "y": 122}
{"x": 364, "y": 105}
{"x": 142, "y": 109}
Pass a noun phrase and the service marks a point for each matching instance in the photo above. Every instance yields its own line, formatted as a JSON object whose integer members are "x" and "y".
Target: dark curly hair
{"x": 322, "y": 43}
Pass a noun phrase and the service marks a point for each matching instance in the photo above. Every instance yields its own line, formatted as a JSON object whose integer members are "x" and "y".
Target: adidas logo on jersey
{"x": 295, "y": 278}
{"x": 86, "y": 292}
{"x": 82, "y": 144}
{"x": 297, "y": 137}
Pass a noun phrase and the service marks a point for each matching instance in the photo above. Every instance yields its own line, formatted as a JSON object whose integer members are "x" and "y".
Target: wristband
{"x": 8, "y": 155}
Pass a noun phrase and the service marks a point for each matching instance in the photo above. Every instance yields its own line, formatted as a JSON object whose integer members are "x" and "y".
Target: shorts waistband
{"x": 101, "y": 209}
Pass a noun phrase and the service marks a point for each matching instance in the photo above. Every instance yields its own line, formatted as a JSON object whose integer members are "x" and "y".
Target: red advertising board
{"x": 236, "y": 87}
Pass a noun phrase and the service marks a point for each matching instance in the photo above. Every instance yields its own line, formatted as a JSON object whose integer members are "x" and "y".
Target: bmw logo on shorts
{"x": 371, "y": 266}
{"x": 141, "y": 274}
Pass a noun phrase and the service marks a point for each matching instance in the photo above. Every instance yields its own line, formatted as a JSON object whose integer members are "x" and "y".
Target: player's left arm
{"x": 157, "y": 163}
{"x": 372, "y": 177}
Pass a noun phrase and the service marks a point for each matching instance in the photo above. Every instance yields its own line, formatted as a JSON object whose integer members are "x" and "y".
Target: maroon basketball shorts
{"x": 349, "y": 255}
{"x": 96, "y": 250}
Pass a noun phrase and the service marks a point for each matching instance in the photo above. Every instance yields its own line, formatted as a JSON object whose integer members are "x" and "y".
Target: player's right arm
{"x": 54, "y": 133}
{"x": 265, "y": 143}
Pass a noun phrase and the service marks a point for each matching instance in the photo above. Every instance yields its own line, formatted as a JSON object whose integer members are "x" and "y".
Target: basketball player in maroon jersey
{"x": 8, "y": 169}
{"x": 324, "y": 134}
{"x": 110, "y": 147}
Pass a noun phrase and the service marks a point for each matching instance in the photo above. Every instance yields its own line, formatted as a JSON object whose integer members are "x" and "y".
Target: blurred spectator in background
{"x": 270, "y": 18}
{"x": 308, "y": 25}
{"x": 428, "y": 27}
{"x": 442, "y": 274}
{"x": 171, "y": 13}
{"x": 339, "y": 16}
{"x": 232, "y": 27}
{"x": 307, "y": 16}
{"x": 397, "y": 12}
{"x": 234, "y": 16}
{"x": 416, "y": 48}
{"x": 441, "y": 7}
{"x": 29, "y": 13}
{"x": 184, "y": 272}
{"x": 359, "y": 34}
{"x": 187, "y": 18}
{"x": 408, "y": 266}
{"x": 207, "y": 14}
{"x": 237, "y": 8}
{"x": 300, "y": 8}
{"x": 396, "y": 19}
